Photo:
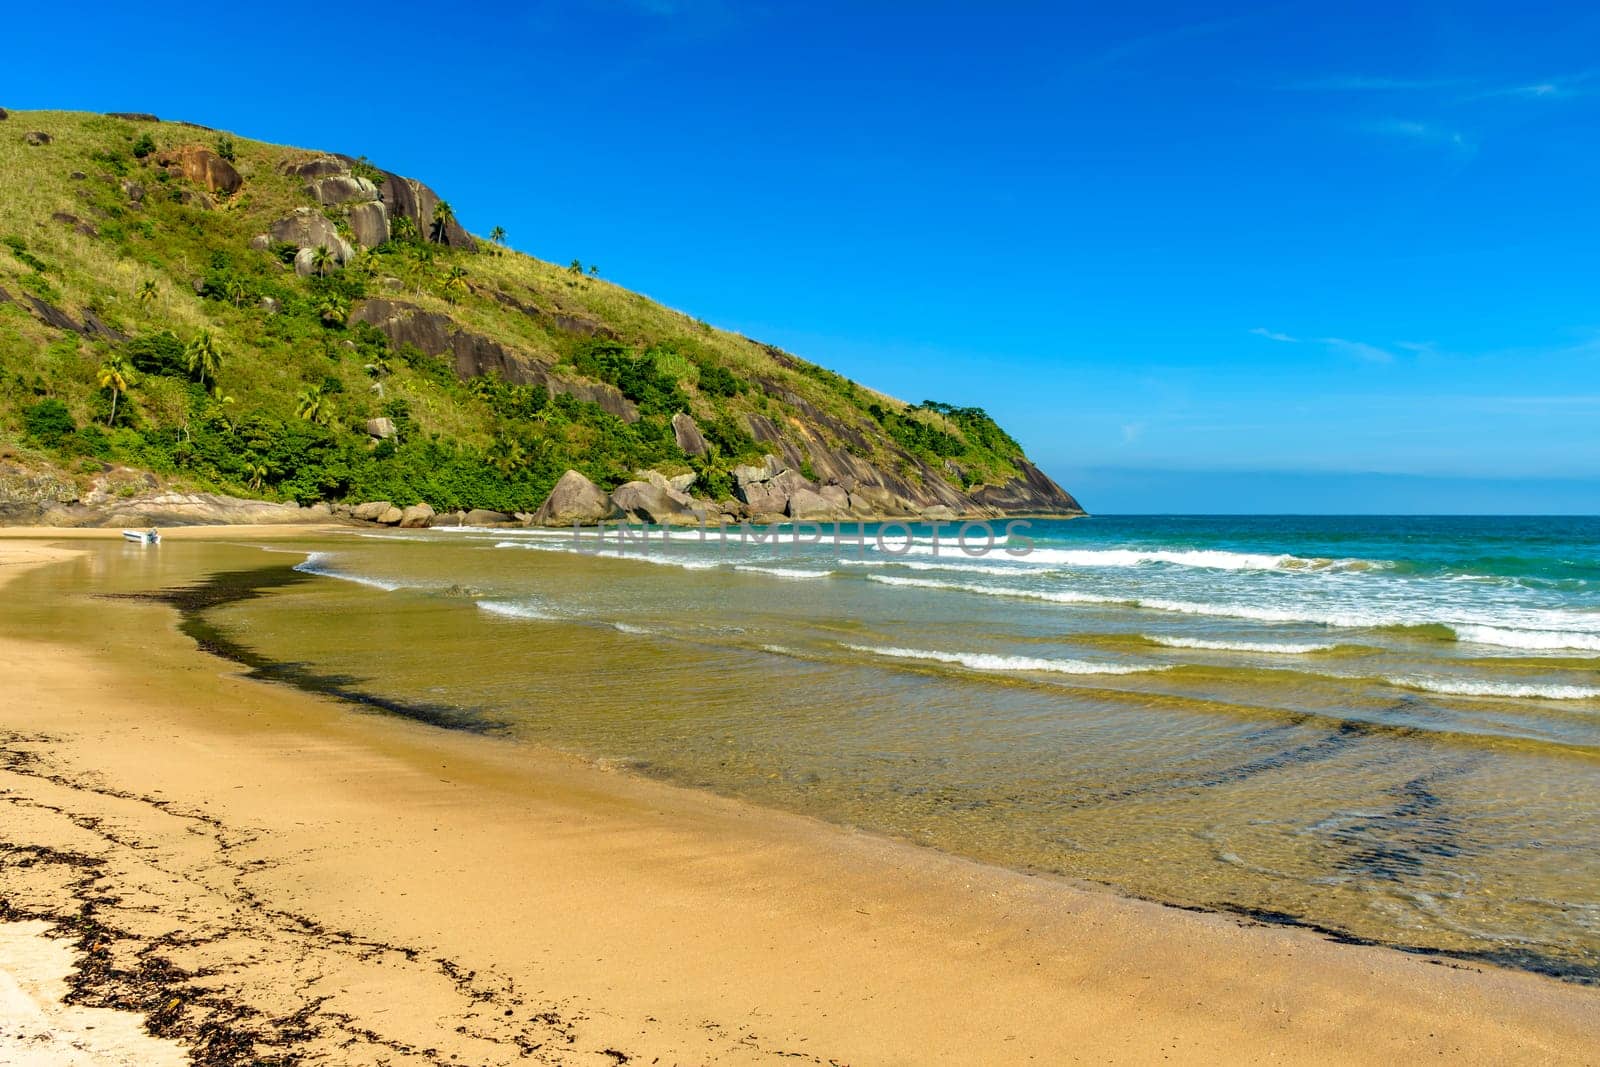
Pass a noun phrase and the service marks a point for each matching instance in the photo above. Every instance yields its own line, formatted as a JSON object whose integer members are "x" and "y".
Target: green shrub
{"x": 48, "y": 422}
{"x": 144, "y": 146}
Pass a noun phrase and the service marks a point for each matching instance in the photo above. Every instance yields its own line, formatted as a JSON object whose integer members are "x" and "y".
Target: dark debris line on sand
{"x": 118, "y": 966}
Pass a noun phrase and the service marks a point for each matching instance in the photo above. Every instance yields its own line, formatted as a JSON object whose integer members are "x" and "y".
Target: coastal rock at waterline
{"x": 179, "y": 509}
{"x": 341, "y": 189}
{"x": 372, "y": 511}
{"x": 876, "y": 500}
{"x": 370, "y": 223}
{"x": 677, "y": 487}
{"x": 643, "y": 502}
{"x": 805, "y": 504}
{"x": 485, "y": 517}
{"x": 310, "y": 228}
{"x": 417, "y": 517}
{"x": 39, "y": 137}
{"x": 688, "y": 434}
{"x": 575, "y": 499}
{"x": 939, "y": 512}
{"x": 381, "y": 428}
{"x": 390, "y": 516}
{"x": 1031, "y": 492}
{"x": 204, "y": 167}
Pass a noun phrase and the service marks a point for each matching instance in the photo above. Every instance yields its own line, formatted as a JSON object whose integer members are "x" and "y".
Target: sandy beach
{"x": 260, "y": 874}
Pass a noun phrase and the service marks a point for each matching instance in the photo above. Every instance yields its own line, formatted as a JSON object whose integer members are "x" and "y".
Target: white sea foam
{"x": 1211, "y": 559}
{"x": 516, "y": 609}
{"x": 1538, "y": 640}
{"x": 984, "y": 661}
{"x": 640, "y": 556}
{"x": 318, "y": 563}
{"x": 1280, "y": 648}
{"x": 1454, "y": 687}
{"x": 630, "y": 628}
{"x": 781, "y": 572}
{"x": 1053, "y": 596}
{"x": 957, "y": 563}
{"x": 1529, "y": 636}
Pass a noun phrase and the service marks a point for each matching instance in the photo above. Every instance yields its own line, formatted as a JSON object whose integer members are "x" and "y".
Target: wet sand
{"x": 263, "y": 873}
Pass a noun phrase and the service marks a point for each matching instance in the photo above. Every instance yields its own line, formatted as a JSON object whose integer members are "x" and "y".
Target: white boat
{"x": 142, "y": 537}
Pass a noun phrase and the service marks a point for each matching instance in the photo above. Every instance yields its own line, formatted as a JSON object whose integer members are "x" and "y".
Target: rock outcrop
{"x": 416, "y": 517}
{"x": 370, "y": 223}
{"x": 575, "y": 499}
{"x": 410, "y": 198}
{"x": 687, "y": 434}
{"x": 341, "y": 189}
{"x": 658, "y": 503}
{"x": 1032, "y": 493}
{"x": 307, "y": 228}
{"x": 475, "y": 355}
{"x": 202, "y": 166}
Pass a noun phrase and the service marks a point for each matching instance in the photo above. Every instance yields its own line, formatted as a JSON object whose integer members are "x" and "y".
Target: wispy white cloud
{"x": 1476, "y": 88}
{"x": 1274, "y": 335}
{"x": 1419, "y": 133}
{"x": 1559, "y": 88}
{"x": 1361, "y": 350}
{"x": 1362, "y": 83}
{"x": 1131, "y": 432}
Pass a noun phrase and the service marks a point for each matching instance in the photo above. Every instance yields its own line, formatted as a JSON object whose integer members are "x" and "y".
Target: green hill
{"x": 260, "y": 321}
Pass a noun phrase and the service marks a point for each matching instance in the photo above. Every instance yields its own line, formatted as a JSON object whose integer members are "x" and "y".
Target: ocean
{"x": 1387, "y": 729}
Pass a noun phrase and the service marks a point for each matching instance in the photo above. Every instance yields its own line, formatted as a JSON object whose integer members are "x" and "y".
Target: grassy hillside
{"x": 139, "y": 327}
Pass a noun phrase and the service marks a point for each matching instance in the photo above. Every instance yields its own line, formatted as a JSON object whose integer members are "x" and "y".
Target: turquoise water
{"x": 1388, "y": 728}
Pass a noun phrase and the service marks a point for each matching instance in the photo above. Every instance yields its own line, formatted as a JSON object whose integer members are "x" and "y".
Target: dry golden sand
{"x": 347, "y": 888}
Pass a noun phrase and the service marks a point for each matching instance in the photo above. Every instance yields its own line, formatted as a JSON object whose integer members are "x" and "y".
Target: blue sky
{"x": 1252, "y": 258}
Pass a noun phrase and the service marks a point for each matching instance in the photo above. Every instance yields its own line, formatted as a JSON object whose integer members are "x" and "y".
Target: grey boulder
{"x": 575, "y": 499}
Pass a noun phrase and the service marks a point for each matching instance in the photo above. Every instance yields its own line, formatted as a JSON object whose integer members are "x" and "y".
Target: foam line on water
{"x": 516, "y": 609}
{"x": 1532, "y": 637}
{"x": 984, "y": 661}
{"x": 781, "y": 572}
{"x": 1277, "y": 648}
{"x": 318, "y": 563}
{"x": 1468, "y": 688}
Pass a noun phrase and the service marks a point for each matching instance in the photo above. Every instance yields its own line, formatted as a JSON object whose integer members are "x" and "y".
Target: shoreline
{"x": 651, "y": 920}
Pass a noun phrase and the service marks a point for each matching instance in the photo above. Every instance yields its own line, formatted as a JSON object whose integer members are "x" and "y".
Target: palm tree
{"x": 498, "y": 236}
{"x": 575, "y": 267}
{"x": 321, "y": 260}
{"x": 236, "y": 291}
{"x": 334, "y": 309}
{"x": 402, "y": 228}
{"x": 594, "y": 271}
{"x": 258, "y": 474}
{"x": 507, "y": 454}
{"x": 443, "y": 216}
{"x": 147, "y": 295}
{"x": 312, "y": 405}
{"x": 455, "y": 281}
{"x": 205, "y": 357}
{"x": 117, "y": 376}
